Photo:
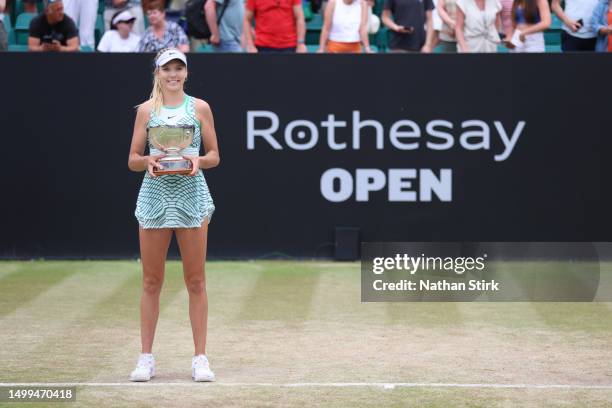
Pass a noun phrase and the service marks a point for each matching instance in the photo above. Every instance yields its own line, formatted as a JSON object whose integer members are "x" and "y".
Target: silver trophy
{"x": 171, "y": 139}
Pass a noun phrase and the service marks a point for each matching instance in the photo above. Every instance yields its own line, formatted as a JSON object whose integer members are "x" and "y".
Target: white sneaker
{"x": 145, "y": 369}
{"x": 200, "y": 371}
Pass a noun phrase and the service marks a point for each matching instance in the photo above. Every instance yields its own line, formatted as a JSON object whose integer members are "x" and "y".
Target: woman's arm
{"x": 300, "y": 27}
{"x": 246, "y": 30}
{"x": 460, "y": 17}
{"x": 558, "y": 10}
{"x": 545, "y": 19}
{"x": 444, "y": 15}
{"x": 388, "y": 21}
{"x": 363, "y": 27}
{"x": 327, "y": 21}
{"x": 429, "y": 39}
{"x": 209, "y": 137}
{"x": 136, "y": 160}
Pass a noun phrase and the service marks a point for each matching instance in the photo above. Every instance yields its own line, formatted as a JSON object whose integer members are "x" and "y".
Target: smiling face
{"x": 172, "y": 75}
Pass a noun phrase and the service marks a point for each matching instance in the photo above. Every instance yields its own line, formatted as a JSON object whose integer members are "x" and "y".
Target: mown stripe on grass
{"x": 34, "y": 335}
{"x": 283, "y": 291}
{"x": 29, "y": 281}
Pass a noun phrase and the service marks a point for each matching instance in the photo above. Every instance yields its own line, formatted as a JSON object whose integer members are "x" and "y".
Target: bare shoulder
{"x": 145, "y": 107}
{"x": 202, "y": 106}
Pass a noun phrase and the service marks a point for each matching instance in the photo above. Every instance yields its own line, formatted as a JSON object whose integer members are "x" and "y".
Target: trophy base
{"x": 178, "y": 166}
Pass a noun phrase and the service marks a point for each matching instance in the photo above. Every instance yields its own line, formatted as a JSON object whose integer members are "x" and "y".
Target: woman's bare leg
{"x": 153, "y": 250}
{"x": 192, "y": 243}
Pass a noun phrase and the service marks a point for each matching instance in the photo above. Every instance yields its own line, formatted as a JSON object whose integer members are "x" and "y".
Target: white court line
{"x": 306, "y": 385}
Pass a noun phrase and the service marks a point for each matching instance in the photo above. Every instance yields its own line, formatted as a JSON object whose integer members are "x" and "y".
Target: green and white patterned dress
{"x": 175, "y": 201}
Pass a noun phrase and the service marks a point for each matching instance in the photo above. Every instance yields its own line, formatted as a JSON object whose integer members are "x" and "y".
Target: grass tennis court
{"x": 287, "y": 333}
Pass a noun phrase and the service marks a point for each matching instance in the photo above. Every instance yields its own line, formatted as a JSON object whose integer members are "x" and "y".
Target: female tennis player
{"x": 173, "y": 203}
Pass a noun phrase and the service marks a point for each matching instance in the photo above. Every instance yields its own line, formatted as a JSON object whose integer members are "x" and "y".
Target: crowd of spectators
{"x": 279, "y": 26}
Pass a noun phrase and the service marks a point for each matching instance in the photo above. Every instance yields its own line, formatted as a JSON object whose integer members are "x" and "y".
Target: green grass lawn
{"x": 281, "y": 322}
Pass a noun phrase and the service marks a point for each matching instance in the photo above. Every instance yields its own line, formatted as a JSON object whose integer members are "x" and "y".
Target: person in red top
{"x": 279, "y": 26}
{"x": 610, "y": 34}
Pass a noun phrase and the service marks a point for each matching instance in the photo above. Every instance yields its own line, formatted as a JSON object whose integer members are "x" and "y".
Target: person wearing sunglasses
{"x": 120, "y": 37}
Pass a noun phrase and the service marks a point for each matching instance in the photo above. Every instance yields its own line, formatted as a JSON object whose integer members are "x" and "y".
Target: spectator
{"x": 345, "y": 27}
{"x": 120, "y": 37}
{"x": 506, "y": 18}
{"x": 578, "y": 34}
{"x": 84, "y": 14}
{"x": 279, "y": 26}
{"x": 113, "y": 6}
{"x": 530, "y": 18}
{"x": 29, "y": 6}
{"x": 447, "y": 9}
{"x": 53, "y": 30}
{"x": 601, "y": 21}
{"x": 225, "y": 22}
{"x": 478, "y": 23}
{"x": 161, "y": 33}
{"x": 3, "y": 35}
{"x": 407, "y": 20}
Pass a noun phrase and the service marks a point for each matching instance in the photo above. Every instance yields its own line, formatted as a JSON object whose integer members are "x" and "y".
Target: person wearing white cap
{"x": 135, "y": 7}
{"x": 179, "y": 204}
{"x": 120, "y": 37}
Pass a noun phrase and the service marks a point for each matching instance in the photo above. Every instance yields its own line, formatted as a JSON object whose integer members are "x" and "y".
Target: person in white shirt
{"x": 345, "y": 27}
{"x": 120, "y": 37}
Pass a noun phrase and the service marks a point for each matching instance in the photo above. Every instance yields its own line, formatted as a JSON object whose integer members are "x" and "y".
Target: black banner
{"x": 405, "y": 147}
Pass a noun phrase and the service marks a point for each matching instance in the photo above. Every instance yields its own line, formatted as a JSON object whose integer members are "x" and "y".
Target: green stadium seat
{"x": 10, "y": 33}
{"x": 205, "y": 48}
{"x": 552, "y": 37}
{"x": 22, "y": 28}
{"x": 99, "y": 30}
{"x": 555, "y": 24}
{"x": 86, "y": 48}
{"x": 18, "y": 48}
{"x": 316, "y": 22}
{"x": 101, "y": 7}
{"x": 307, "y": 11}
{"x": 313, "y": 36}
{"x": 313, "y": 29}
{"x": 553, "y": 48}
{"x": 379, "y": 40}
{"x": 378, "y": 8}
{"x": 19, "y": 8}
{"x": 502, "y": 49}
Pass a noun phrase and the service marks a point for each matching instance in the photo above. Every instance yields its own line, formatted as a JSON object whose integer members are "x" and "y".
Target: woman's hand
{"x": 195, "y": 164}
{"x": 153, "y": 163}
{"x": 574, "y": 26}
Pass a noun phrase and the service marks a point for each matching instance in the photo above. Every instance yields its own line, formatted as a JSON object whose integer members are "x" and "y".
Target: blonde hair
{"x": 157, "y": 97}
